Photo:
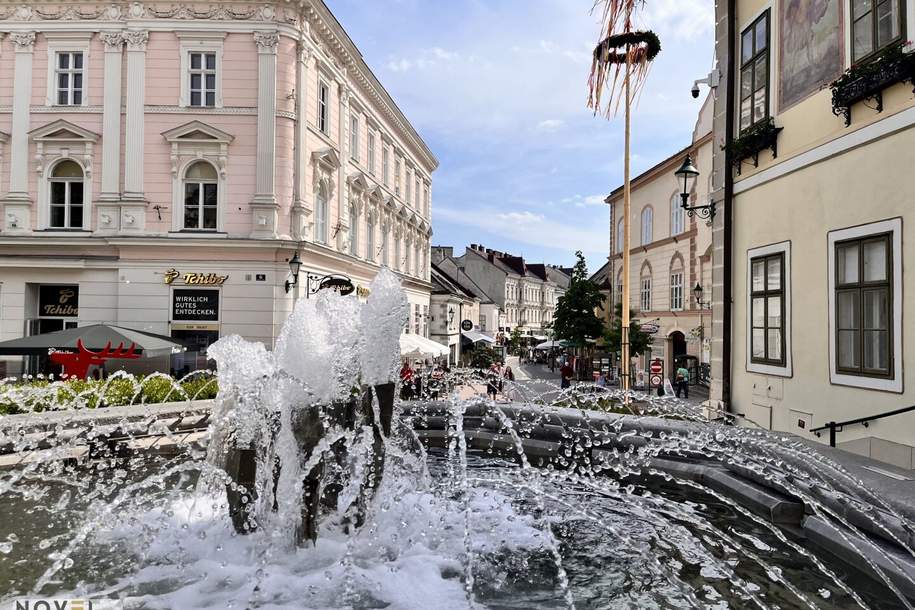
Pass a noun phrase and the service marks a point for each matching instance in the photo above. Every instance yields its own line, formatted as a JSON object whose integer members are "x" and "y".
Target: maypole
{"x": 638, "y": 49}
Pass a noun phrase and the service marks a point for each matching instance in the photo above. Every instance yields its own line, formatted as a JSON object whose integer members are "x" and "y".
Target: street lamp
{"x": 688, "y": 175}
{"x": 295, "y": 263}
{"x": 697, "y": 294}
{"x": 450, "y": 316}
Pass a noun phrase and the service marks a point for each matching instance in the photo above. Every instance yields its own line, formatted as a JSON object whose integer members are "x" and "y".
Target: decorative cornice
{"x": 136, "y": 39}
{"x": 266, "y": 42}
{"x": 170, "y": 109}
{"x": 24, "y": 41}
{"x": 113, "y": 41}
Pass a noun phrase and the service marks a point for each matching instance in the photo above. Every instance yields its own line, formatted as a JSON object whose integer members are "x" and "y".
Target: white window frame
{"x": 645, "y": 293}
{"x": 894, "y": 227}
{"x": 68, "y": 190}
{"x": 370, "y": 152}
{"x": 783, "y": 248}
{"x": 385, "y": 244}
{"x": 322, "y": 111}
{"x": 677, "y": 216}
{"x": 620, "y": 238}
{"x": 322, "y": 214}
{"x": 408, "y": 186}
{"x": 199, "y": 42}
{"x": 370, "y": 237}
{"x": 647, "y": 232}
{"x": 426, "y": 203}
{"x": 67, "y": 42}
{"x": 354, "y": 137}
{"x": 353, "y": 230}
{"x": 218, "y": 182}
{"x": 416, "y": 191}
{"x": 676, "y": 291}
{"x": 386, "y": 165}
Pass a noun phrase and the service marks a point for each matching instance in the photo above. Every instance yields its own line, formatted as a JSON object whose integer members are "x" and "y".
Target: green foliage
{"x": 639, "y": 342}
{"x": 162, "y": 388}
{"x": 482, "y": 356}
{"x": 201, "y": 387}
{"x": 575, "y": 320}
{"x": 514, "y": 340}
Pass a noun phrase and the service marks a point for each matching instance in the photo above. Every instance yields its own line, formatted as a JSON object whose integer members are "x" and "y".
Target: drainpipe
{"x": 728, "y": 211}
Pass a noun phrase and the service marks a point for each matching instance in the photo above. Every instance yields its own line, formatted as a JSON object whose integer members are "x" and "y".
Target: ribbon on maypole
{"x": 619, "y": 42}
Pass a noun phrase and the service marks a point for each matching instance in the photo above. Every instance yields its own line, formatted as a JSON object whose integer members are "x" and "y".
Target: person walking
{"x": 492, "y": 380}
{"x": 566, "y": 373}
{"x": 406, "y": 381}
{"x": 683, "y": 382}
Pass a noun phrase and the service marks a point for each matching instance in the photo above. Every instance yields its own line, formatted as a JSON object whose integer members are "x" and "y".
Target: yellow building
{"x": 818, "y": 192}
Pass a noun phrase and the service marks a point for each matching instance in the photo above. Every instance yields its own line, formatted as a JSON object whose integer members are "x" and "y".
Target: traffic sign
{"x": 657, "y": 367}
{"x": 655, "y": 380}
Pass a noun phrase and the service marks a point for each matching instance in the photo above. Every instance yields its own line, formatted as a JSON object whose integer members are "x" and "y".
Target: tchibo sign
{"x": 54, "y": 604}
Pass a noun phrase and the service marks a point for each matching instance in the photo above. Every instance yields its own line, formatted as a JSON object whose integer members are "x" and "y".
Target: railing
{"x": 834, "y": 427}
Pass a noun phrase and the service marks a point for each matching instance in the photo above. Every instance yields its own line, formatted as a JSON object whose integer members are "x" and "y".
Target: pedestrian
{"x": 406, "y": 381}
{"x": 566, "y": 373}
{"x": 601, "y": 380}
{"x": 683, "y": 382}
{"x": 492, "y": 381}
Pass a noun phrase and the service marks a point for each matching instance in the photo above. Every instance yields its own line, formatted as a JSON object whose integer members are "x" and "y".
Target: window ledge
{"x": 867, "y": 383}
{"x": 60, "y": 231}
{"x": 769, "y": 369}
{"x": 197, "y": 234}
{"x": 867, "y": 80}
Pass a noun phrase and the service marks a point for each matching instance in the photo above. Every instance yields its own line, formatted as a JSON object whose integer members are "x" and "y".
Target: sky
{"x": 498, "y": 91}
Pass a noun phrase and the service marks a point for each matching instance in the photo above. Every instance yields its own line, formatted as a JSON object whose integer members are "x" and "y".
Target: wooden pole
{"x": 626, "y": 380}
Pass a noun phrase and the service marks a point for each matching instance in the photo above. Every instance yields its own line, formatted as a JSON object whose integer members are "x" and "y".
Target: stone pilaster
{"x": 264, "y": 207}
{"x": 300, "y": 210}
{"x": 111, "y": 117}
{"x": 343, "y": 93}
{"x": 135, "y": 122}
{"x": 17, "y": 208}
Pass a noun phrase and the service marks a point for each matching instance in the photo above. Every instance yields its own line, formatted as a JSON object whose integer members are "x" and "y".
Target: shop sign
{"x": 195, "y": 279}
{"x": 362, "y": 292}
{"x": 467, "y": 325}
{"x": 59, "y": 301}
{"x": 338, "y": 283}
{"x": 650, "y": 328}
{"x": 195, "y": 305}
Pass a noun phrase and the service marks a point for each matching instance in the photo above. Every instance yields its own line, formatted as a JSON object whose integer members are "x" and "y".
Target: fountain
{"x": 305, "y": 484}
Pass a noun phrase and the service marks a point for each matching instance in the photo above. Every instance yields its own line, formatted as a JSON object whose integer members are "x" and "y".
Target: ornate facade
{"x": 216, "y": 137}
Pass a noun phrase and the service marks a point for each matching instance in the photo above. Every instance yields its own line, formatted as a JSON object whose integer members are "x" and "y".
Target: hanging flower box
{"x": 867, "y": 81}
{"x": 759, "y": 137}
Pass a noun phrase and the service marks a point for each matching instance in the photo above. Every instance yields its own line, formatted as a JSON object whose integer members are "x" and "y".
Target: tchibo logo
{"x": 52, "y": 604}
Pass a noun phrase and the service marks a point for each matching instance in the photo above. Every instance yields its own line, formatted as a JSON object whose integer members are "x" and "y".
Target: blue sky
{"x": 498, "y": 90}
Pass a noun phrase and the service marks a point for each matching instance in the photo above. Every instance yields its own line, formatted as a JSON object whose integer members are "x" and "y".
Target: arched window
{"x": 676, "y": 284}
{"x": 353, "y": 231}
{"x": 677, "y": 216}
{"x": 321, "y": 214}
{"x": 619, "y": 287}
{"x": 619, "y": 235}
{"x": 66, "y": 196}
{"x": 645, "y": 289}
{"x": 370, "y": 237}
{"x": 647, "y": 221}
{"x": 200, "y": 197}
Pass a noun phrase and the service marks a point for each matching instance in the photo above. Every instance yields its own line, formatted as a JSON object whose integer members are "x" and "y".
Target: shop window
{"x": 66, "y": 196}
{"x": 754, "y": 72}
{"x": 201, "y": 185}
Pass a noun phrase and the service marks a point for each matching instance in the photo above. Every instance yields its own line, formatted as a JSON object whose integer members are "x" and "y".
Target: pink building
{"x": 215, "y": 139}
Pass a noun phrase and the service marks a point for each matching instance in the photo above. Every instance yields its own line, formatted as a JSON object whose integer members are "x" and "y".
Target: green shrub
{"x": 161, "y": 388}
{"x": 201, "y": 387}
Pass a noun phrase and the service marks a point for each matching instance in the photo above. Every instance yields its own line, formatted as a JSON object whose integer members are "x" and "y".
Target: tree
{"x": 514, "y": 340}
{"x": 575, "y": 320}
{"x": 639, "y": 342}
{"x": 482, "y": 356}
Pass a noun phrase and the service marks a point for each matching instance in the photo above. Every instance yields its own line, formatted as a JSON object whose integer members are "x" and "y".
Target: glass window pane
{"x": 874, "y": 261}
{"x": 876, "y": 350}
{"x": 876, "y": 309}
{"x": 863, "y": 36}
{"x": 76, "y": 193}
{"x": 746, "y": 46}
{"x": 191, "y": 195}
{"x": 77, "y": 97}
{"x": 57, "y": 192}
{"x": 195, "y": 81}
{"x": 67, "y": 169}
{"x": 211, "y": 99}
{"x": 77, "y": 60}
{"x": 211, "y": 82}
{"x": 62, "y": 97}
{"x": 57, "y": 216}
{"x": 775, "y": 313}
{"x": 762, "y": 36}
{"x": 759, "y": 312}
{"x": 746, "y": 117}
{"x": 861, "y": 7}
{"x": 63, "y": 80}
{"x": 887, "y": 22}
{"x": 774, "y": 274}
{"x": 209, "y": 194}
{"x": 847, "y": 309}
{"x": 774, "y": 346}
{"x": 76, "y": 217}
{"x": 77, "y": 81}
{"x": 759, "y": 343}
{"x": 761, "y": 74}
{"x": 847, "y": 264}
{"x": 195, "y": 61}
{"x": 211, "y": 61}
{"x": 195, "y": 98}
{"x": 209, "y": 217}
{"x": 201, "y": 171}
{"x": 760, "y": 110}
{"x": 63, "y": 60}
{"x": 848, "y": 349}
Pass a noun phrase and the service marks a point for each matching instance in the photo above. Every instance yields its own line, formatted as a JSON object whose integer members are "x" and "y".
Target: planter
{"x": 867, "y": 81}
{"x": 759, "y": 137}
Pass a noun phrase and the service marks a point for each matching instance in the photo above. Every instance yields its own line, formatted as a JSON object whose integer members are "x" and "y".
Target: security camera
{"x": 695, "y": 90}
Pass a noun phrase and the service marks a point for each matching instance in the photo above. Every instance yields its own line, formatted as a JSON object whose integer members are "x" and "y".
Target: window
{"x": 416, "y": 192}
{"x": 677, "y": 216}
{"x": 397, "y": 177}
{"x": 321, "y": 214}
{"x": 645, "y": 300}
{"x": 620, "y": 228}
{"x": 426, "y": 201}
{"x": 397, "y": 264}
{"x": 371, "y": 153}
{"x": 619, "y": 287}
{"x": 354, "y": 137}
{"x": 676, "y": 290}
{"x": 370, "y": 237}
{"x": 754, "y": 72}
{"x": 69, "y": 78}
{"x": 202, "y": 79}
{"x": 384, "y": 245}
{"x": 353, "y": 231}
{"x": 647, "y": 221}
{"x": 66, "y": 199}
{"x": 767, "y": 309}
{"x": 200, "y": 197}
{"x": 876, "y": 24}
{"x": 408, "y": 183}
{"x": 386, "y": 166}
{"x": 323, "y": 101}
{"x": 863, "y": 297}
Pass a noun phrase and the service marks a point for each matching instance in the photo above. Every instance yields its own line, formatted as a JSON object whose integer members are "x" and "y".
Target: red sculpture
{"x": 76, "y": 364}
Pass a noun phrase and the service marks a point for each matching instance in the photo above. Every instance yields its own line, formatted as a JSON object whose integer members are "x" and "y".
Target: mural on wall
{"x": 810, "y": 32}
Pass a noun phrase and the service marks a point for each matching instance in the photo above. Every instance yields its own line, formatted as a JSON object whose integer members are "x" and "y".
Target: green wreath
{"x": 647, "y": 41}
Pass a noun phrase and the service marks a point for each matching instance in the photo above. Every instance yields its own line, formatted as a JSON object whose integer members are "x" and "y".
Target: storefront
{"x": 195, "y": 323}
{"x": 52, "y": 307}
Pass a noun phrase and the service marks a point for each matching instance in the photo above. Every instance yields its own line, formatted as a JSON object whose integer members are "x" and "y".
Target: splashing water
{"x": 556, "y": 500}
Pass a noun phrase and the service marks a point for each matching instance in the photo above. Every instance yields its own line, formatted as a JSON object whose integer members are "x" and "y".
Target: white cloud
{"x": 427, "y": 58}
{"x": 550, "y": 125}
{"x": 521, "y": 217}
{"x": 685, "y": 19}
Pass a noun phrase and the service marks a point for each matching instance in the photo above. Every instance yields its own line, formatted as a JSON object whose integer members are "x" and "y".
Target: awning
{"x": 475, "y": 336}
{"x": 418, "y": 346}
{"x": 94, "y": 337}
{"x": 551, "y": 344}
{"x": 540, "y": 338}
